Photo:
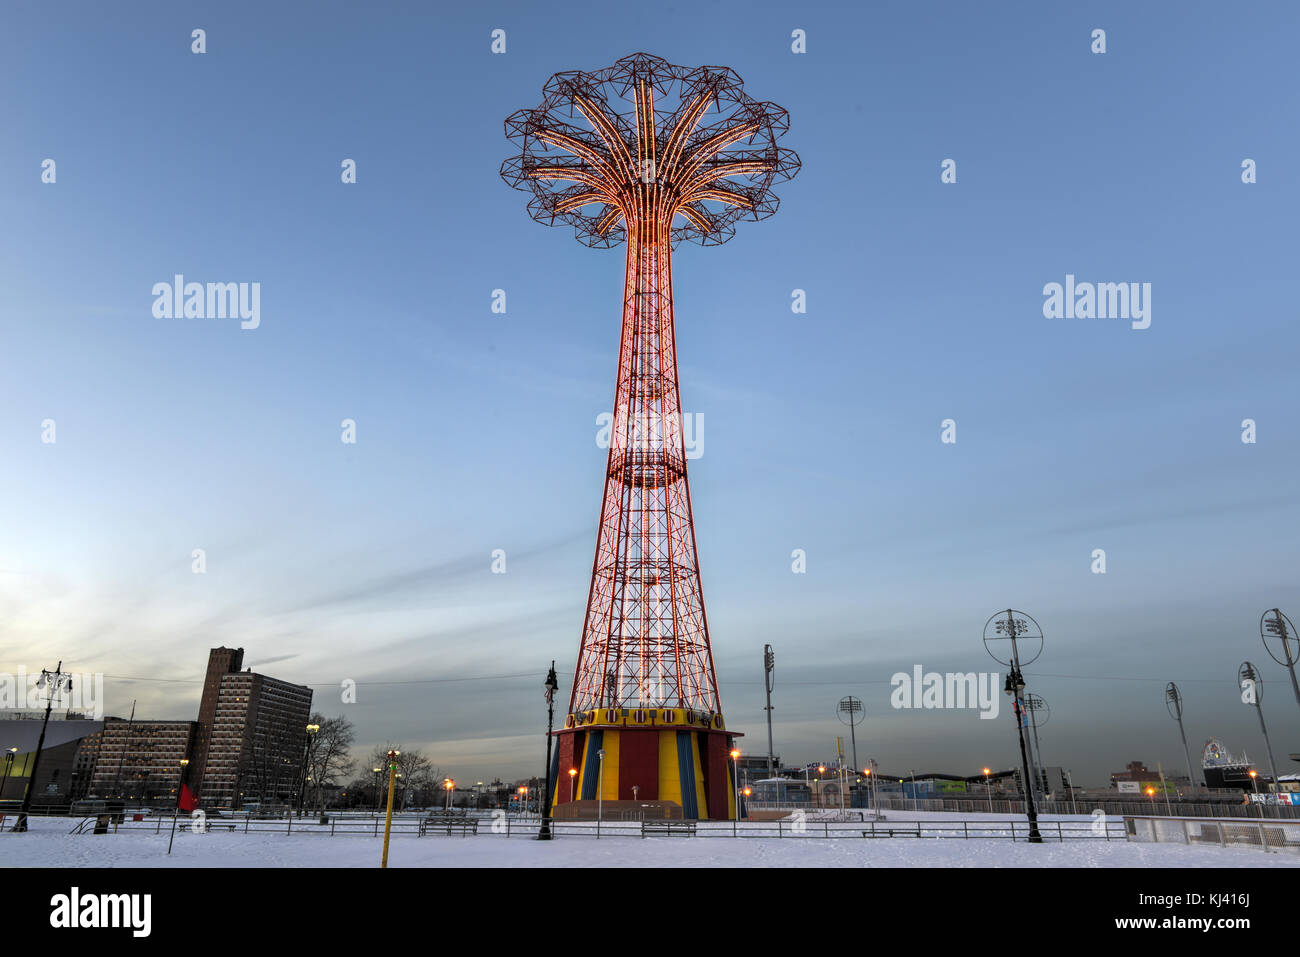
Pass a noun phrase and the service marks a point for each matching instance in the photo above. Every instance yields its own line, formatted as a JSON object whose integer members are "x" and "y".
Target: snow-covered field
{"x": 49, "y": 844}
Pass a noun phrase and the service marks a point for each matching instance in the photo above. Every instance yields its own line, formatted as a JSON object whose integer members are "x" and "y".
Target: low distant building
{"x": 58, "y": 780}
{"x": 1134, "y": 771}
{"x": 753, "y": 767}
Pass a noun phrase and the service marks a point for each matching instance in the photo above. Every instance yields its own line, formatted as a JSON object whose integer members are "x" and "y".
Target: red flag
{"x": 187, "y": 802}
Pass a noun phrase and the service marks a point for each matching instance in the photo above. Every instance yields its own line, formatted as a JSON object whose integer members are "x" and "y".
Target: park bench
{"x": 668, "y": 828}
{"x": 893, "y": 831}
{"x": 449, "y": 825}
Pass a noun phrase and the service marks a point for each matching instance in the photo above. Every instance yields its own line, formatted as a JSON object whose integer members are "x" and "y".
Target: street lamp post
{"x": 573, "y": 777}
{"x": 56, "y": 681}
{"x": 388, "y": 815}
{"x": 9, "y": 761}
{"x": 735, "y": 777}
{"x": 988, "y": 789}
{"x": 449, "y": 786}
{"x": 377, "y": 772}
{"x": 1015, "y": 686}
{"x": 600, "y": 791}
{"x": 552, "y": 685}
{"x": 180, "y": 783}
{"x": 306, "y": 765}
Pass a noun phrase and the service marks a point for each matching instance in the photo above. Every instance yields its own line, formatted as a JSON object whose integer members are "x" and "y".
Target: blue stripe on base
{"x": 555, "y": 772}
{"x": 686, "y": 767}
{"x": 591, "y": 767}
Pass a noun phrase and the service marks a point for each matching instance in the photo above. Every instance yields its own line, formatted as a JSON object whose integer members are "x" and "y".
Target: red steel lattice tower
{"x": 647, "y": 153}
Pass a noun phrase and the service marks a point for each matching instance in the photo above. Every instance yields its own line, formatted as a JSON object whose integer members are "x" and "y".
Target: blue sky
{"x": 476, "y": 431}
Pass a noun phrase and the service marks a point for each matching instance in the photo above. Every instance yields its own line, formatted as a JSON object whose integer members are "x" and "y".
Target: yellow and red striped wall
{"x": 690, "y": 766}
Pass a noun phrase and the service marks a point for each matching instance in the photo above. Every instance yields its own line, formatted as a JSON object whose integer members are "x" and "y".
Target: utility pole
{"x": 126, "y": 743}
{"x": 56, "y": 682}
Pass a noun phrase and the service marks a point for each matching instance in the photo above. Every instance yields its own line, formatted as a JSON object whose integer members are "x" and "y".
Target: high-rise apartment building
{"x": 221, "y": 662}
{"x": 252, "y": 734}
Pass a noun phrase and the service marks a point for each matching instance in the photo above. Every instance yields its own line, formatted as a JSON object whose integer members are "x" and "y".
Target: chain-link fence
{"x": 1265, "y": 835}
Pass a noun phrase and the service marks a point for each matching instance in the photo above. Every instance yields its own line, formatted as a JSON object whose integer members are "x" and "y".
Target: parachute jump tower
{"x": 648, "y": 154}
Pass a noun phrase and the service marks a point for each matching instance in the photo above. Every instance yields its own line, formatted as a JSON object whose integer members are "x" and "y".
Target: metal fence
{"x": 336, "y": 825}
{"x": 509, "y": 826}
{"x": 1117, "y": 808}
{"x": 1224, "y": 832}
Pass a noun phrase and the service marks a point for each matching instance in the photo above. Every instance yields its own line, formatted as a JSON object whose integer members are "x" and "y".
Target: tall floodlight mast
{"x": 769, "y": 664}
{"x": 1278, "y": 627}
{"x": 1174, "y": 702}
{"x": 852, "y": 713}
{"x": 1252, "y": 693}
{"x": 1039, "y": 714}
{"x": 650, "y": 154}
{"x": 1020, "y": 633}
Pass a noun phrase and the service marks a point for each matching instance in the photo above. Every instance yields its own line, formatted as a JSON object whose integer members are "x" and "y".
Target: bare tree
{"x": 417, "y": 773}
{"x": 329, "y": 761}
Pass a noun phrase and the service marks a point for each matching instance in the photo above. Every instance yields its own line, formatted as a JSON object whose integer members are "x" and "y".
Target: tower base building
{"x": 666, "y": 754}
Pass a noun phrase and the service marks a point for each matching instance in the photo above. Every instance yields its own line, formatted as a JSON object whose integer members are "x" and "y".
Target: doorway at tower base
{"x": 682, "y": 758}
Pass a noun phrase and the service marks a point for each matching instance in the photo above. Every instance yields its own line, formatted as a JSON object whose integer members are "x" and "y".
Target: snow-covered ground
{"x": 50, "y": 844}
